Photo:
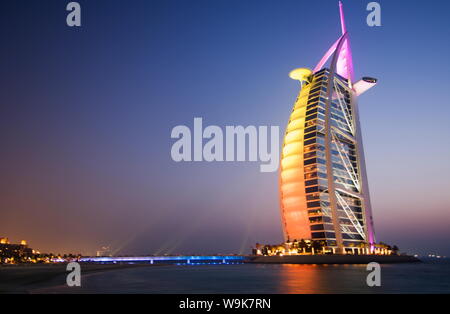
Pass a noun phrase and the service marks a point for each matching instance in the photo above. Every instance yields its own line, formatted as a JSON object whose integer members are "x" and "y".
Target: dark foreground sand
{"x": 33, "y": 277}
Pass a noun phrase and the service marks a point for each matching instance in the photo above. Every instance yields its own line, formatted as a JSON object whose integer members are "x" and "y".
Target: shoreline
{"x": 333, "y": 259}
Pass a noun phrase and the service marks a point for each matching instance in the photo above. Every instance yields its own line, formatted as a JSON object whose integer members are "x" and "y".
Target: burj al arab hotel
{"x": 324, "y": 194}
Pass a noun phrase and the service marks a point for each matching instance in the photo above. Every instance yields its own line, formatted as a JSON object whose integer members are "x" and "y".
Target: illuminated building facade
{"x": 14, "y": 252}
{"x": 324, "y": 193}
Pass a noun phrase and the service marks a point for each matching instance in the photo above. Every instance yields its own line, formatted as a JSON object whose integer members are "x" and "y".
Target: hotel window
{"x": 310, "y": 175}
{"x": 310, "y": 161}
{"x": 317, "y": 227}
{"x": 312, "y": 197}
{"x": 310, "y": 168}
{"x": 321, "y": 161}
{"x": 318, "y": 235}
{"x": 313, "y": 204}
{"x": 309, "y": 148}
{"x": 311, "y": 129}
{"x": 311, "y": 111}
{"x": 309, "y": 123}
{"x": 310, "y": 182}
{"x": 315, "y": 220}
{"x": 312, "y": 189}
{"x": 314, "y": 116}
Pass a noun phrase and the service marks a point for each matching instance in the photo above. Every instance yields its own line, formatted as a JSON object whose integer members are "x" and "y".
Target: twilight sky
{"x": 86, "y": 116}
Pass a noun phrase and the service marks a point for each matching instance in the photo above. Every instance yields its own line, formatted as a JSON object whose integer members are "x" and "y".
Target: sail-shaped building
{"x": 324, "y": 194}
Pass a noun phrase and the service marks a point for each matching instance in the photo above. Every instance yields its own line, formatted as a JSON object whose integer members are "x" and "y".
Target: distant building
{"x": 104, "y": 251}
{"x": 14, "y": 253}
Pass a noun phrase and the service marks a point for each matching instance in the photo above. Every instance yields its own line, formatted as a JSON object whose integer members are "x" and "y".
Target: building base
{"x": 332, "y": 259}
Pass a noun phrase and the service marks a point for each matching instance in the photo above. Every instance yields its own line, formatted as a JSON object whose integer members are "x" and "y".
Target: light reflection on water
{"x": 322, "y": 278}
{"x": 254, "y": 279}
{"x": 299, "y": 279}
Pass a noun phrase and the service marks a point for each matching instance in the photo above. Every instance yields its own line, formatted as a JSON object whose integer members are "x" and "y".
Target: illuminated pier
{"x": 194, "y": 260}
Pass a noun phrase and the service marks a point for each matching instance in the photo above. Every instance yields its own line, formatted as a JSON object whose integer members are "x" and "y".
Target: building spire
{"x": 344, "y": 61}
{"x": 341, "y": 12}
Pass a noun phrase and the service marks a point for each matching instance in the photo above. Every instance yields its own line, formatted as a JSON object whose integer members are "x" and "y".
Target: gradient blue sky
{"x": 86, "y": 116}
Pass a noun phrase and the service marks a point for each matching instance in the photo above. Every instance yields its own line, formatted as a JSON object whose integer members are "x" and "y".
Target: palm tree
{"x": 395, "y": 250}
{"x": 318, "y": 245}
{"x": 302, "y": 245}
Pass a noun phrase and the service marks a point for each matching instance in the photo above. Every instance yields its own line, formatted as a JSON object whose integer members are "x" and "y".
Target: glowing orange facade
{"x": 292, "y": 182}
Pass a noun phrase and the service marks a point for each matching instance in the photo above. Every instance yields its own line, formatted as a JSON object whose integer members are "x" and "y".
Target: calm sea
{"x": 431, "y": 276}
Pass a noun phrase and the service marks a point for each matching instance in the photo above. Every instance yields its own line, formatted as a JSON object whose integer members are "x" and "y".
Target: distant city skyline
{"x": 87, "y": 113}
